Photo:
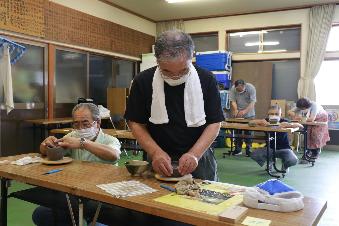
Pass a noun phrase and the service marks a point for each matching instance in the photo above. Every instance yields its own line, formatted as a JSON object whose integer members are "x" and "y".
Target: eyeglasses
{"x": 170, "y": 75}
{"x": 82, "y": 124}
{"x": 274, "y": 114}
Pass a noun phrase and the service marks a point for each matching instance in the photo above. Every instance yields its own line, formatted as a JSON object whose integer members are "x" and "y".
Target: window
{"x": 83, "y": 74}
{"x": 100, "y": 77}
{"x": 327, "y": 82}
{"x": 123, "y": 73}
{"x": 28, "y": 76}
{"x": 332, "y": 43}
{"x": 205, "y": 42}
{"x": 265, "y": 41}
{"x": 70, "y": 76}
{"x": 104, "y": 72}
{"x": 327, "y": 79}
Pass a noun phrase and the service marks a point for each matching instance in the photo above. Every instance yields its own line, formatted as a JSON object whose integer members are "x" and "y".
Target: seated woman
{"x": 317, "y": 136}
{"x": 283, "y": 149}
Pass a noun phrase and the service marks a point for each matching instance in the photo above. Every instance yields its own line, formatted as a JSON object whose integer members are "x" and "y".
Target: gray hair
{"x": 91, "y": 107}
{"x": 173, "y": 44}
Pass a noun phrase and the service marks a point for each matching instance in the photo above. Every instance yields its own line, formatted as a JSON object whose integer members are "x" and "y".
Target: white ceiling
{"x": 158, "y": 10}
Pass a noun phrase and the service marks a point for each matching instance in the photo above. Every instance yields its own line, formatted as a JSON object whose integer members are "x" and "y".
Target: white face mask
{"x": 176, "y": 82}
{"x": 88, "y": 133}
{"x": 274, "y": 118}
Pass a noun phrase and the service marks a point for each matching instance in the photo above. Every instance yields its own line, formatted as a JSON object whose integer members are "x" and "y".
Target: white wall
{"x": 104, "y": 11}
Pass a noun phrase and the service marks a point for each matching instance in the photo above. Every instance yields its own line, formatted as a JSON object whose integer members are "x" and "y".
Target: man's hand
{"x": 50, "y": 141}
{"x": 187, "y": 163}
{"x": 297, "y": 117}
{"x": 69, "y": 142}
{"x": 291, "y": 114}
{"x": 241, "y": 113}
{"x": 291, "y": 125}
{"x": 235, "y": 113}
{"x": 161, "y": 163}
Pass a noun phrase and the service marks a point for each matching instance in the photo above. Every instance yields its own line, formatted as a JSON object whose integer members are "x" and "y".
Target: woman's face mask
{"x": 88, "y": 133}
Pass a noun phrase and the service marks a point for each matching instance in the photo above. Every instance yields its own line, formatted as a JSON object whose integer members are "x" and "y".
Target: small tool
{"x": 168, "y": 187}
{"x": 53, "y": 171}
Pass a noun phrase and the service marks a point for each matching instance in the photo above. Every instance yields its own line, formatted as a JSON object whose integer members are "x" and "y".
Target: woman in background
{"x": 317, "y": 136}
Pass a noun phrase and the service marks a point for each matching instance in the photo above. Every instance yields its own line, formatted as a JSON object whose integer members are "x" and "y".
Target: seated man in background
{"x": 86, "y": 143}
{"x": 283, "y": 149}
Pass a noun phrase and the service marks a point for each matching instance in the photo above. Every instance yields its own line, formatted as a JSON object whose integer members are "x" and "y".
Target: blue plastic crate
{"x": 224, "y": 99}
{"x": 214, "y": 61}
{"x": 223, "y": 79}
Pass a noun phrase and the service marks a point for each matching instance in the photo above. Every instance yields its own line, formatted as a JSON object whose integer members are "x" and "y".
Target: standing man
{"x": 174, "y": 110}
{"x": 243, "y": 98}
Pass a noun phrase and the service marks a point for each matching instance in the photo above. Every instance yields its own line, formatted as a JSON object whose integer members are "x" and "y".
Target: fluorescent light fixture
{"x": 178, "y": 1}
{"x": 273, "y": 51}
{"x": 262, "y": 43}
{"x": 241, "y": 34}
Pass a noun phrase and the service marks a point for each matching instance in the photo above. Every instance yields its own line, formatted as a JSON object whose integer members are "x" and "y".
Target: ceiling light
{"x": 178, "y": 1}
{"x": 247, "y": 33}
{"x": 262, "y": 43}
{"x": 273, "y": 51}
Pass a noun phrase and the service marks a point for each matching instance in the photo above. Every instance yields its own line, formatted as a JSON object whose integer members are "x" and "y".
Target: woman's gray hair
{"x": 91, "y": 107}
{"x": 173, "y": 44}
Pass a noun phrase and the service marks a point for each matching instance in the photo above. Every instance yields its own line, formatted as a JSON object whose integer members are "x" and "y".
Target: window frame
{"x": 25, "y": 106}
{"x": 216, "y": 33}
{"x": 269, "y": 28}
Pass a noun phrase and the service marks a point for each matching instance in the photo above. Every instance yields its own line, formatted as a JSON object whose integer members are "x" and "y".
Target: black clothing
{"x": 175, "y": 137}
{"x": 282, "y": 138}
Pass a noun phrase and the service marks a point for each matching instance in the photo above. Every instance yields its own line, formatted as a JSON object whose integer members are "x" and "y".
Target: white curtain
{"x": 6, "y": 78}
{"x": 170, "y": 25}
{"x": 320, "y": 23}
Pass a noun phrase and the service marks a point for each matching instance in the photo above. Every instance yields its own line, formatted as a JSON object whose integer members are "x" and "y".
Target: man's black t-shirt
{"x": 175, "y": 137}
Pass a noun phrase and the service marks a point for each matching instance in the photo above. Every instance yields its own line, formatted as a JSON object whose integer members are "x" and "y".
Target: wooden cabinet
{"x": 117, "y": 100}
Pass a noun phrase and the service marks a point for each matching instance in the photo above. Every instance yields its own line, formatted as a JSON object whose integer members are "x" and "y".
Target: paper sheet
{"x": 252, "y": 221}
{"x": 190, "y": 203}
{"x": 126, "y": 188}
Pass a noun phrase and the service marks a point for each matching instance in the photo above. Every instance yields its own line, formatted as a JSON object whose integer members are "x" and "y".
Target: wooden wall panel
{"x": 73, "y": 27}
{"x": 51, "y": 21}
{"x": 116, "y": 101}
{"x": 258, "y": 74}
{"x": 23, "y": 16}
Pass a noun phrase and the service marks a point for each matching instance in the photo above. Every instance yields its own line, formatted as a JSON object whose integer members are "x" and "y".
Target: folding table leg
{"x": 71, "y": 210}
{"x": 81, "y": 213}
{"x": 95, "y": 218}
{"x": 3, "y": 203}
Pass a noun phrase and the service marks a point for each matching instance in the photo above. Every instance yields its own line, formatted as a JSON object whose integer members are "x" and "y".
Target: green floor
{"x": 320, "y": 181}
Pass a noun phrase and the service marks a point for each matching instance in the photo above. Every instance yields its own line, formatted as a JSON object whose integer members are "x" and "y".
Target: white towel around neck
{"x": 193, "y": 100}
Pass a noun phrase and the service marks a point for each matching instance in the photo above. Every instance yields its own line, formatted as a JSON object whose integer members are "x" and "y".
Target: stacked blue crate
{"x": 223, "y": 78}
{"x": 214, "y": 60}
{"x": 219, "y": 63}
